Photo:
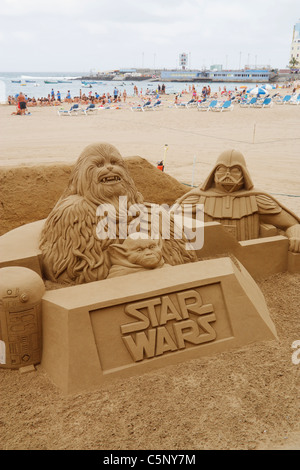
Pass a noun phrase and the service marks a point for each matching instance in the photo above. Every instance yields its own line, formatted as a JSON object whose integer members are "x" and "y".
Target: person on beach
{"x": 22, "y": 103}
{"x": 68, "y": 97}
{"x": 17, "y": 113}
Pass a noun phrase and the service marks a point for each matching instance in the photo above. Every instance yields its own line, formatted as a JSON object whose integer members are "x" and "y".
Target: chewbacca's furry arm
{"x": 175, "y": 250}
{"x": 71, "y": 251}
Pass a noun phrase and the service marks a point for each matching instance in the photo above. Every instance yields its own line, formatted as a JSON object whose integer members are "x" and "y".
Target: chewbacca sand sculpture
{"x": 72, "y": 251}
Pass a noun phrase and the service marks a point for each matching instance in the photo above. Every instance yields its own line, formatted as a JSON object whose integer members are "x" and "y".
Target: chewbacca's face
{"x": 108, "y": 170}
{"x": 101, "y": 174}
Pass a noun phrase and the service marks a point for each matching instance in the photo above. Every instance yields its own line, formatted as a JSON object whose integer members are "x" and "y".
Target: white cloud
{"x": 34, "y": 7}
{"x": 23, "y": 36}
{"x": 211, "y": 30}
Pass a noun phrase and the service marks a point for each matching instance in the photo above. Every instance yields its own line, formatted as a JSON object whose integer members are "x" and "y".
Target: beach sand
{"x": 243, "y": 399}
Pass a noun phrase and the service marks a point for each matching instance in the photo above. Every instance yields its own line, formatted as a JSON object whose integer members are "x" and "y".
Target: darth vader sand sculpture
{"x": 72, "y": 250}
{"x": 229, "y": 198}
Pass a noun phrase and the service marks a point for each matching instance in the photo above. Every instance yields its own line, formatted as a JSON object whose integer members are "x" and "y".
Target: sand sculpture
{"x": 72, "y": 251}
{"x": 229, "y": 197}
{"x": 21, "y": 292}
{"x": 95, "y": 331}
{"x": 137, "y": 253}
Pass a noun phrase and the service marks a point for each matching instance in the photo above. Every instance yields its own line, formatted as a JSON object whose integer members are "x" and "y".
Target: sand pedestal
{"x": 118, "y": 327}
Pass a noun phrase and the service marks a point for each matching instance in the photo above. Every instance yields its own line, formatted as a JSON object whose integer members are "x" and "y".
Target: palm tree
{"x": 293, "y": 62}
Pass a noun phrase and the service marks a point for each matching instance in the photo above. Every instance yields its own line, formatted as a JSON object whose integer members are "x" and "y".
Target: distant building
{"x": 252, "y": 75}
{"x": 181, "y": 75}
{"x": 216, "y": 67}
{"x": 295, "y": 46}
{"x": 183, "y": 60}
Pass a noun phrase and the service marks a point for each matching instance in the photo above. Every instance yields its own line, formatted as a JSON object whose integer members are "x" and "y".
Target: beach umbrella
{"x": 268, "y": 87}
{"x": 257, "y": 91}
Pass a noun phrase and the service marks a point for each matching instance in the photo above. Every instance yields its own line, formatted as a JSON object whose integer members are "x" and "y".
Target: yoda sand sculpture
{"x": 137, "y": 253}
{"x": 72, "y": 250}
{"x": 229, "y": 198}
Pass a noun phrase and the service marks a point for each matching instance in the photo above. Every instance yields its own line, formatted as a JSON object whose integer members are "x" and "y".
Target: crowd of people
{"x": 23, "y": 102}
{"x": 55, "y": 99}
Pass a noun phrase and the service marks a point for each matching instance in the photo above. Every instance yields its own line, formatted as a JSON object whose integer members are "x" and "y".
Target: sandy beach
{"x": 244, "y": 399}
{"x": 268, "y": 138}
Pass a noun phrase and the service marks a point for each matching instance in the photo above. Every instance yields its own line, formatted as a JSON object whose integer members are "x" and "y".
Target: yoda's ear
{"x": 117, "y": 249}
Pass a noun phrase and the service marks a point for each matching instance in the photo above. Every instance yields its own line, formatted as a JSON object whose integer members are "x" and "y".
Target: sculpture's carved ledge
{"x": 261, "y": 257}
{"x": 102, "y": 330}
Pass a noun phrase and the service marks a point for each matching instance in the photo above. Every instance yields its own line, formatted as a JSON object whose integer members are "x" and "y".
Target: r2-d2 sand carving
{"x": 21, "y": 292}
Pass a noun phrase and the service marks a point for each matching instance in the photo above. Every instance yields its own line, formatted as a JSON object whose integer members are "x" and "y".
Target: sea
{"x": 33, "y": 84}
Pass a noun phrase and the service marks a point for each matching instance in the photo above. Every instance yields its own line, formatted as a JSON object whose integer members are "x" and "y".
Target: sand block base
{"x": 293, "y": 262}
{"x": 262, "y": 257}
{"x": 27, "y": 369}
{"x": 20, "y": 247}
{"x": 118, "y": 327}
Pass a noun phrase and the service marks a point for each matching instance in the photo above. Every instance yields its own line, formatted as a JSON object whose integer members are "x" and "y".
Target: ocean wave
{"x": 47, "y": 77}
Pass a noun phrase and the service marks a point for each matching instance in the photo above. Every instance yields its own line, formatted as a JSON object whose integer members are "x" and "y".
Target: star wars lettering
{"x": 166, "y": 325}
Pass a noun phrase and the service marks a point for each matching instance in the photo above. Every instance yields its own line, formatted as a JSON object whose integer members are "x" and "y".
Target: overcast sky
{"x": 100, "y": 35}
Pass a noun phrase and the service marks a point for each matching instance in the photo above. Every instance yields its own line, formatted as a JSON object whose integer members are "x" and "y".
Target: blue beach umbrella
{"x": 258, "y": 91}
{"x": 269, "y": 87}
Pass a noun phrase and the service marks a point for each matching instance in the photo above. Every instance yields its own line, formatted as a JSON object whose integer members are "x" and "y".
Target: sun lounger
{"x": 157, "y": 105}
{"x": 286, "y": 99}
{"x": 90, "y": 109}
{"x": 295, "y": 100}
{"x": 181, "y": 105}
{"x": 226, "y": 106}
{"x": 136, "y": 108}
{"x": 207, "y": 106}
{"x": 266, "y": 103}
{"x": 248, "y": 103}
{"x": 141, "y": 107}
{"x": 188, "y": 104}
{"x": 75, "y": 110}
{"x": 192, "y": 104}
{"x": 152, "y": 107}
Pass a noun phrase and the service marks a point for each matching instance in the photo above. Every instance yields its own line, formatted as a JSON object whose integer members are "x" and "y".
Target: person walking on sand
{"x": 68, "y": 97}
{"x": 22, "y": 103}
{"x": 116, "y": 92}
